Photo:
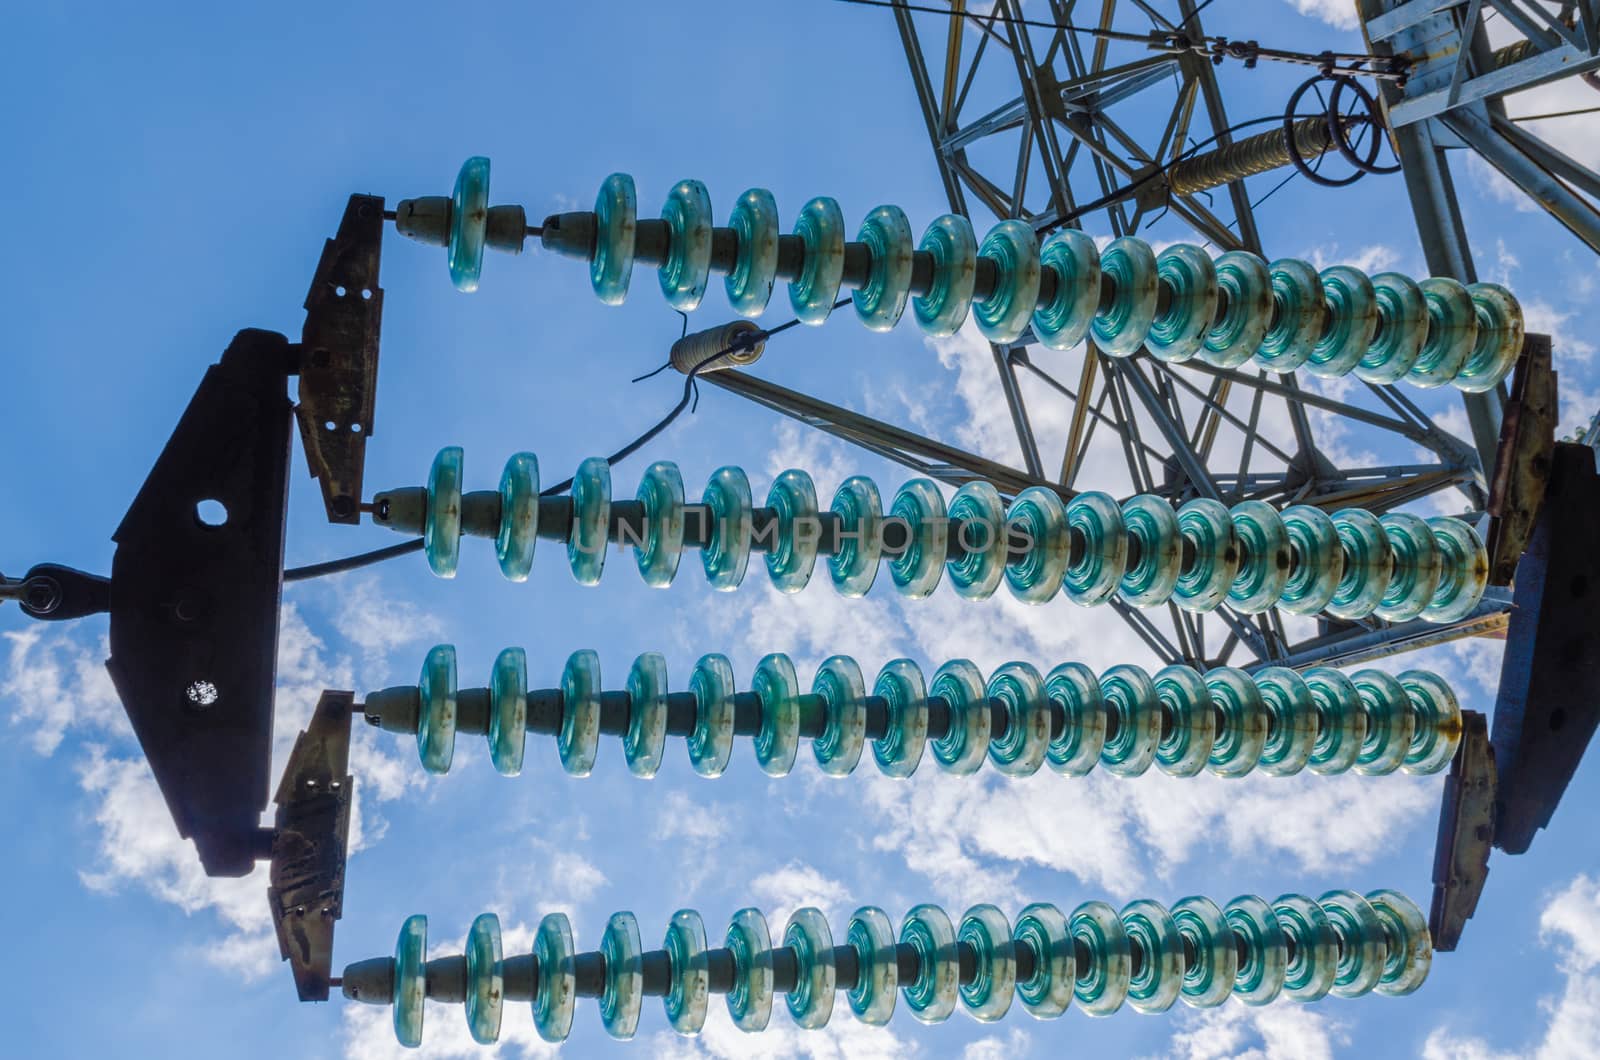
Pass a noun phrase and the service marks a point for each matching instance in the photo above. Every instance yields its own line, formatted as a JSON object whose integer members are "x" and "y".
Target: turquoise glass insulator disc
{"x": 1368, "y": 564}
{"x": 410, "y": 980}
{"x": 711, "y": 743}
{"x": 1241, "y": 719}
{"x": 1363, "y": 946}
{"x": 508, "y": 711}
{"x": 1019, "y": 689}
{"x": 750, "y": 995}
{"x": 688, "y": 266}
{"x": 1120, "y": 325}
{"x": 556, "y": 994}
{"x": 1258, "y": 979}
{"x": 1245, "y": 286}
{"x": 1408, "y": 953}
{"x": 1076, "y": 749}
{"x": 1188, "y": 724}
{"x": 931, "y": 996}
{"x": 687, "y": 994}
{"x": 1157, "y": 982}
{"x": 778, "y": 687}
{"x": 980, "y": 517}
{"x": 1092, "y": 575}
{"x": 1297, "y": 315}
{"x": 1063, "y": 322}
{"x": 1341, "y": 720}
{"x": 1265, "y": 557}
{"x": 1103, "y": 978}
{"x": 843, "y": 693}
{"x": 485, "y": 979}
{"x": 1155, "y": 551}
{"x": 519, "y": 516}
{"x": 1499, "y": 341}
{"x": 622, "y": 995}
{"x": 854, "y": 563}
{"x": 1317, "y": 560}
{"x": 1133, "y": 721}
{"x": 1402, "y": 329}
{"x": 436, "y": 721}
{"x": 882, "y": 299}
{"x": 726, "y": 555}
{"x": 987, "y": 932}
{"x": 579, "y": 738}
{"x": 793, "y": 553}
{"x": 820, "y": 227}
{"x": 1463, "y": 570}
{"x": 1436, "y": 732}
{"x": 1452, "y": 333}
{"x": 1209, "y": 537}
{"x": 469, "y": 224}
{"x": 1352, "y": 318}
{"x": 949, "y": 240}
{"x": 1314, "y": 953}
{"x": 616, "y": 222}
{"x": 1291, "y": 721}
{"x": 1042, "y": 928}
{"x": 917, "y": 568}
{"x": 1390, "y": 723}
{"x": 441, "y": 530}
{"x": 1190, "y": 278}
{"x": 1204, "y": 931}
{"x": 1041, "y": 521}
{"x": 961, "y": 750}
{"x": 808, "y": 935}
{"x": 661, "y": 547}
{"x": 900, "y": 685}
{"x": 645, "y": 741}
{"x": 591, "y": 519}
{"x": 755, "y": 267}
{"x": 1416, "y": 567}
{"x": 871, "y": 934}
{"x": 1014, "y": 250}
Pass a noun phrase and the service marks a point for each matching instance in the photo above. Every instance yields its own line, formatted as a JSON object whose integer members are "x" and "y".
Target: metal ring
{"x": 1294, "y": 152}
{"x": 1336, "y": 128}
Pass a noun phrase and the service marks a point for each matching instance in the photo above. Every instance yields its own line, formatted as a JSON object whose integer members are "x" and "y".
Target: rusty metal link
{"x": 1257, "y": 154}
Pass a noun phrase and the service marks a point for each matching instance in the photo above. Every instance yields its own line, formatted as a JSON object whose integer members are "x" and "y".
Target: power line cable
{"x": 690, "y": 400}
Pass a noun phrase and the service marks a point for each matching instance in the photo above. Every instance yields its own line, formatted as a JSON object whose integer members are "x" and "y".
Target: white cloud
{"x": 844, "y": 1038}
{"x": 1237, "y": 1031}
{"x": 54, "y": 684}
{"x": 377, "y": 625}
{"x": 1569, "y": 926}
{"x": 780, "y": 892}
{"x": 996, "y": 1047}
{"x": 1340, "y": 14}
{"x": 679, "y": 817}
{"x": 369, "y": 1034}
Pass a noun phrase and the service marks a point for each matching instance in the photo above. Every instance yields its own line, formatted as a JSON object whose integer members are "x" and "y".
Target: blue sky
{"x": 173, "y": 176}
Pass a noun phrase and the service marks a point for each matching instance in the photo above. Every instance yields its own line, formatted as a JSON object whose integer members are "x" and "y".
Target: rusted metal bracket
{"x": 195, "y": 587}
{"x": 1548, "y": 706}
{"x": 310, "y": 843}
{"x": 1466, "y": 833}
{"x": 339, "y": 357}
{"x": 1522, "y": 463}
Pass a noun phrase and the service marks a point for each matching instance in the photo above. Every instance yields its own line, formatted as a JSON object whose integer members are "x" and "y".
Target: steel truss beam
{"x": 1078, "y": 134}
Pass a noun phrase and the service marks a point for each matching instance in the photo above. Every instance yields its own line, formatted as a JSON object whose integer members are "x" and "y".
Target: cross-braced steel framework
{"x": 1057, "y": 126}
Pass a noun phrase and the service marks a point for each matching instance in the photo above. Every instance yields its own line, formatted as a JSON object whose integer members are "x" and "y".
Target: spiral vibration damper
{"x": 1178, "y": 304}
{"x": 1179, "y": 720}
{"x": 1089, "y": 548}
{"x": 1147, "y": 956}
